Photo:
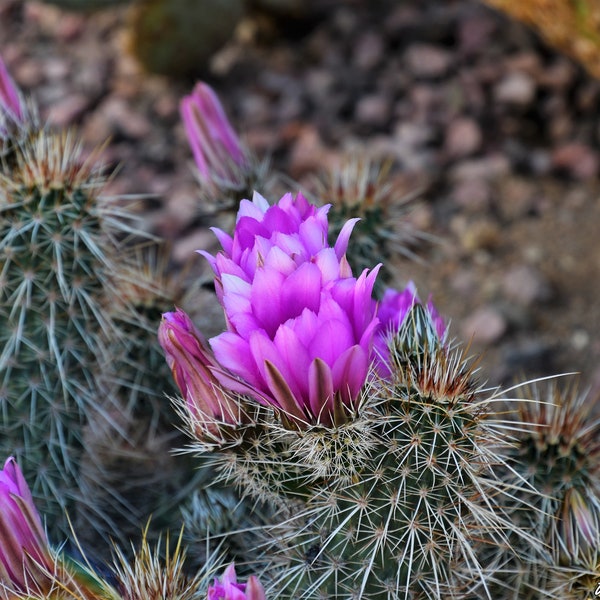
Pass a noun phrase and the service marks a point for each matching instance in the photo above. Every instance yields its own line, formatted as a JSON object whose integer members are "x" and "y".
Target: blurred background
{"x": 492, "y": 110}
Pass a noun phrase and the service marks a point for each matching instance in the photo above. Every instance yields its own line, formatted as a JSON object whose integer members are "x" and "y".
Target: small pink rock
{"x": 307, "y": 152}
{"x": 463, "y": 137}
{"x": 125, "y": 119}
{"x": 373, "y": 110}
{"x": 485, "y": 326}
{"x": 473, "y": 195}
{"x": 516, "y": 88}
{"x": 525, "y": 285}
{"x": 68, "y": 110}
{"x": 368, "y": 52}
{"x": 185, "y": 248}
{"x": 579, "y": 160}
{"x": 427, "y": 60}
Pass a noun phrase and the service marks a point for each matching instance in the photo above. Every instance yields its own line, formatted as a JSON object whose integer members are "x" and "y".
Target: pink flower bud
{"x": 392, "y": 312}
{"x": 217, "y": 151}
{"x": 193, "y": 368}
{"x": 10, "y": 99}
{"x": 24, "y": 551}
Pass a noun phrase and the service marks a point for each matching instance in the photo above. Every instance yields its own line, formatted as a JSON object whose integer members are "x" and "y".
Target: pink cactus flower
{"x": 219, "y": 156}
{"x": 227, "y": 588}
{"x": 300, "y": 327}
{"x": 193, "y": 366}
{"x": 24, "y": 551}
{"x": 10, "y": 99}
{"x": 392, "y": 312}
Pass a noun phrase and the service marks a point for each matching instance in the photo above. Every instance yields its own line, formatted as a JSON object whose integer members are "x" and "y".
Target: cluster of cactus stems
{"x": 82, "y": 376}
{"x": 339, "y": 446}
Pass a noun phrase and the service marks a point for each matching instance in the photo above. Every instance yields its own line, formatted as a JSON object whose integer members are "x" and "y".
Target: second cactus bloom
{"x": 193, "y": 367}
{"x": 25, "y": 559}
{"x": 228, "y": 588}
{"x": 394, "y": 310}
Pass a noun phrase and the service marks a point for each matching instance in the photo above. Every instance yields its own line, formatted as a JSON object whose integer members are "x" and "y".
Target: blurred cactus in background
{"x": 554, "y": 467}
{"x": 362, "y": 188}
{"x": 178, "y": 37}
{"x": 87, "y": 5}
{"x": 572, "y": 26}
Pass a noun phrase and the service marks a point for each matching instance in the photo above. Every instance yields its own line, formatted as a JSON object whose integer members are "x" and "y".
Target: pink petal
{"x": 253, "y": 209}
{"x": 328, "y": 264}
{"x": 9, "y": 94}
{"x": 301, "y": 290}
{"x": 295, "y": 355}
{"x": 350, "y": 373}
{"x": 267, "y": 299}
{"x": 341, "y": 243}
{"x": 320, "y": 385}
{"x": 313, "y": 235}
{"x": 233, "y": 353}
{"x": 254, "y": 590}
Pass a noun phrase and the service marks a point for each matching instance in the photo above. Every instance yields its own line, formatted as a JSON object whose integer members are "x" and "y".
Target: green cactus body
{"x": 554, "y": 462}
{"x": 53, "y": 270}
{"x": 389, "y": 504}
{"x": 361, "y": 188}
{"x": 63, "y": 335}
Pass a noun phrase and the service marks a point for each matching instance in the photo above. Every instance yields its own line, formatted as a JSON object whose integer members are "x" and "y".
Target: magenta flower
{"x": 192, "y": 365}
{"x": 300, "y": 327}
{"x": 10, "y": 99}
{"x": 217, "y": 151}
{"x": 392, "y": 312}
{"x": 228, "y": 588}
{"x": 24, "y": 551}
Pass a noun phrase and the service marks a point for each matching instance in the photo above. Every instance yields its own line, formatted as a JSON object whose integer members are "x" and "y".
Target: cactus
{"x": 360, "y": 187}
{"x": 389, "y": 504}
{"x": 83, "y": 381}
{"x": 56, "y": 262}
{"x": 178, "y": 37}
{"x": 553, "y": 465}
{"x": 382, "y": 479}
{"x": 78, "y": 409}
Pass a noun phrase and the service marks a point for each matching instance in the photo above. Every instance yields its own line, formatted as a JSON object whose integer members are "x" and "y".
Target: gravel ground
{"x": 501, "y": 131}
